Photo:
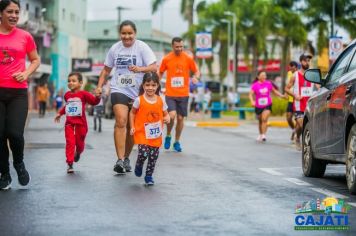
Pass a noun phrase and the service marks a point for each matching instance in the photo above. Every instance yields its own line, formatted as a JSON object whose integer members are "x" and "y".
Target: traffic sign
{"x": 335, "y": 47}
{"x": 203, "y": 45}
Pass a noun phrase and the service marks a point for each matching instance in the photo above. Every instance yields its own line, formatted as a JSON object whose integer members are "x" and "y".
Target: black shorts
{"x": 119, "y": 98}
{"x": 259, "y": 111}
{"x": 299, "y": 114}
{"x": 178, "y": 104}
{"x": 290, "y": 107}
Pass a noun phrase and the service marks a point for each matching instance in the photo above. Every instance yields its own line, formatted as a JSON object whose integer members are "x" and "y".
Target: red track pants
{"x": 75, "y": 140}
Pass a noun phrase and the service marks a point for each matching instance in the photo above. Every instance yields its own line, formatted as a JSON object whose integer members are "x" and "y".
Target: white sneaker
{"x": 259, "y": 138}
{"x": 263, "y": 137}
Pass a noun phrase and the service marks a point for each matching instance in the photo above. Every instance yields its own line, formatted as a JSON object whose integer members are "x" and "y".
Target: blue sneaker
{"x": 138, "y": 171}
{"x": 167, "y": 142}
{"x": 149, "y": 180}
{"x": 177, "y": 147}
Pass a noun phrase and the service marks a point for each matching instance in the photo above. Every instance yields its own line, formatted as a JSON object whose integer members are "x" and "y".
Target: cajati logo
{"x": 322, "y": 214}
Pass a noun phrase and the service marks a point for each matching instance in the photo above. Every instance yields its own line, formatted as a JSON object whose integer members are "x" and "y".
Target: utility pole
{"x": 119, "y": 9}
{"x": 234, "y": 22}
{"x": 333, "y": 19}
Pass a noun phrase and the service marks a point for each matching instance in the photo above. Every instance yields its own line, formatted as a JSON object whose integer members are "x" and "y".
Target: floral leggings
{"x": 144, "y": 152}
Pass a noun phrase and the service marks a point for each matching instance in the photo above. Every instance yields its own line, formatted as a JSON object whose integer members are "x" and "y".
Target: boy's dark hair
{"x": 77, "y": 74}
{"x": 127, "y": 22}
{"x": 148, "y": 77}
{"x": 5, "y": 3}
{"x": 176, "y": 39}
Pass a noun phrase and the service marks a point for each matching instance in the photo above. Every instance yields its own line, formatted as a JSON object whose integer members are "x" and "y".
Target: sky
{"x": 172, "y": 23}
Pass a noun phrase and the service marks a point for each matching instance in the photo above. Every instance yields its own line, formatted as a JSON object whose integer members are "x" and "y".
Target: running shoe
{"x": 22, "y": 174}
{"x": 259, "y": 138}
{"x": 76, "y": 157}
{"x": 149, "y": 180}
{"x": 138, "y": 170}
{"x": 177, "y": 147}
{"x": 127, "y": 164}
{"x": 263, "y": 137}
{"x": 167, "y": 142}
{"x": 5, "y": 181}
{"x": 70, "y": 169}
{"x": 119, "y": 167}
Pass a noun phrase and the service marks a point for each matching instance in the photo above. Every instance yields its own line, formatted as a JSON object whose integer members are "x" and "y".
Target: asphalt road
{"x": 223, "y": 183}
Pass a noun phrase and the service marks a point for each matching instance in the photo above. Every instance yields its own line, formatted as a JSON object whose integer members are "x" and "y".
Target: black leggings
{"x": 144, "y": 152}
{"x": 42, "y": 110}
{"x": 13, "y": 114}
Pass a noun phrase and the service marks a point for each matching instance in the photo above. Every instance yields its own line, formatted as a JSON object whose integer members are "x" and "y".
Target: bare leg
{"x": 172, "y": 114}
{"x": 121, "y": 116}
{"x": 129, "y": 142}
{"x": 179, "y": 127}
{"x": 264, "y": 118}
{"x": 289, "y": 117}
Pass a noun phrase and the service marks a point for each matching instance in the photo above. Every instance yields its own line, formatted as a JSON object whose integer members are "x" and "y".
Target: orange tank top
{"x": 149, "y": 122}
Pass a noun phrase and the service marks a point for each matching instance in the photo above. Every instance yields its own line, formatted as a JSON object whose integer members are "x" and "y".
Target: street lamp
{"x": 234, "y": 22}
{"x": 228, "y": 22}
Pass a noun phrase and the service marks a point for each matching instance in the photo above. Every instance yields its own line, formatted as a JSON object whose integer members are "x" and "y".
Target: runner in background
{"x": 260, "y": 98}
{"x": 301, "y": 90}
{"x": 178, "y": 66}
{"x": 293, "y": 67}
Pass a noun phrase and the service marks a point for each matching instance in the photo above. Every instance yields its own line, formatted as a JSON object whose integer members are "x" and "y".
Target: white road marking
{"x": 329, "y": 193}
{"x": 298, "y": 181}
{"x": 271, "y": 171}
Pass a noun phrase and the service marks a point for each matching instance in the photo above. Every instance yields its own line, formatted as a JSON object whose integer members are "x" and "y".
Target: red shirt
{"x": 303, "y": 88}
{"x": 13, "y": 50}
{"x": 75, "y": 106}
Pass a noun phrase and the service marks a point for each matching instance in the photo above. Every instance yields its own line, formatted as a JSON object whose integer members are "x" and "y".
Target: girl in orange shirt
{"x": 147, "y": 115}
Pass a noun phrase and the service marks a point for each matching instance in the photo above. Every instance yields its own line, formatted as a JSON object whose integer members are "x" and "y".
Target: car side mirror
{"x": 314, "y": 76}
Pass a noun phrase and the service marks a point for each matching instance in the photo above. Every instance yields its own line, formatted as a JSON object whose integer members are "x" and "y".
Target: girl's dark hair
{"x": 79, "y": 75}
{"x": 258, "y": 74}
{"x": 127, "y": 22}
{"x": 5, "y": 3}
{"x": 148, "y": 77}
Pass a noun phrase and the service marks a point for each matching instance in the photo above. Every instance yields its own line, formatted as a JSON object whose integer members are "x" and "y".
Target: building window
{"x": 27, "y": 6}
{"x": 106, "y": 32}
{"x": 63, "y": 14}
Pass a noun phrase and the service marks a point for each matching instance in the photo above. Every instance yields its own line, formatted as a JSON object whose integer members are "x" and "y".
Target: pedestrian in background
{"x": 76, "y": 126}
{"x": 58, "y": 100}
{"x": 147, "y": 115}
{"x": 42, "y": 95}
{"x": 131, "y": 58}
{"x": 260, "y": 98}
{"x": 15, "y": 45}
{"x": 178, "y": 65}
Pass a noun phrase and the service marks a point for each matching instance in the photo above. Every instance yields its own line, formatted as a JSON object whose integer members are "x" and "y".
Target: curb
{"x": 216, "y": 124}
{"x": 282, "y": 124}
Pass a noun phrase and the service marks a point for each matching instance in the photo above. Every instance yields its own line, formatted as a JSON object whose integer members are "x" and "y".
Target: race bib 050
{"x": 127, "y": 80}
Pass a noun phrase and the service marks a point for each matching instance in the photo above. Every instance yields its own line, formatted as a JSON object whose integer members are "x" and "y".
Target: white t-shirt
{"x": 136, "y": 103}
{"x": 120, "y": 58}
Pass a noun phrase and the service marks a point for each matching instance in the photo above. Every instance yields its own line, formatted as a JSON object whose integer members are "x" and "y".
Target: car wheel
{"x": 351, "y": 161}
{"x": 312, "y": 167}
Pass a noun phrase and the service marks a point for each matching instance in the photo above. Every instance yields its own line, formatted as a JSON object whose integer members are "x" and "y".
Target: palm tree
{"x": 319, "y": 17}
{"x": 288, "y": 26}
{"x": 186, "y": 9}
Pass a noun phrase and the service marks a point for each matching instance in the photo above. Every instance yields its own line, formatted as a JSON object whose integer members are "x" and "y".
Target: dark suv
{"x": 329, "y": 128}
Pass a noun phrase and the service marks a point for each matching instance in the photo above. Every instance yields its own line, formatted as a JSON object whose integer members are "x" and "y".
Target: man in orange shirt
{"x": 178, "y": 65}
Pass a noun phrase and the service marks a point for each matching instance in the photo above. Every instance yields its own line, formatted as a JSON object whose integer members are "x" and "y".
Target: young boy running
{"x": 76, "y": 126}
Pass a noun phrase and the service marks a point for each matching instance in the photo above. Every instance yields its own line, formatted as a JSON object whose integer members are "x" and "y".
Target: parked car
{"x": 329, "y": 128}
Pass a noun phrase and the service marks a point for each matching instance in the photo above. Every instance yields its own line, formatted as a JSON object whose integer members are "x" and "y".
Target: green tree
{"x": 289, "y": 28}
{"x": 186, "y": 9}
{"x": 319, "y": 16}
